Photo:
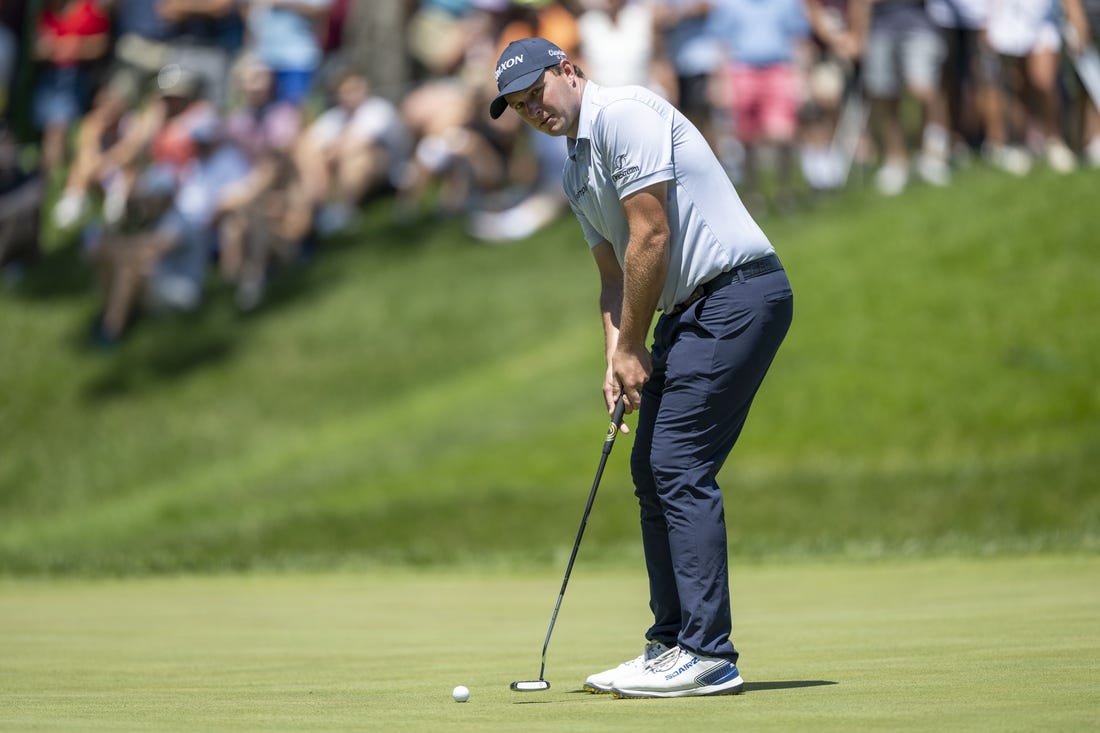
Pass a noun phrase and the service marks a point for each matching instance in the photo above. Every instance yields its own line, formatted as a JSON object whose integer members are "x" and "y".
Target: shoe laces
{"x": 665, "y": 661}
{"x": 653, "y": 649}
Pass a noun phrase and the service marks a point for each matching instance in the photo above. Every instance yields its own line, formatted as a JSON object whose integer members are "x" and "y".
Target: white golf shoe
{"x": 679, "y": 673}
{"x": 603, "y": 681}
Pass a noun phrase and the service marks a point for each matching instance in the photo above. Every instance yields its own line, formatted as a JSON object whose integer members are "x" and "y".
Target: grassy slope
{"x": 927, "y": 645}
{"x": 415, "y": 396}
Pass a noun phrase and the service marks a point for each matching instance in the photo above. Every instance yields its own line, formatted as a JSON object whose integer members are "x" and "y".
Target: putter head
{"x": 530, "y": 686}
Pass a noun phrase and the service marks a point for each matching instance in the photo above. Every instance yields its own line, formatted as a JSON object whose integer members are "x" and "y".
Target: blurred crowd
{"x": 182, "y": 141}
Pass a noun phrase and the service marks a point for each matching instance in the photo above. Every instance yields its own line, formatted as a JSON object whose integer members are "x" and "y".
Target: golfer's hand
{"x": 631, "y": 369}
{"x": 611, "y": 391}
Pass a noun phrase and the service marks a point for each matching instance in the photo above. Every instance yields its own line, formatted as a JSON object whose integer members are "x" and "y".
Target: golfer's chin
{"x": 553, "y": 126}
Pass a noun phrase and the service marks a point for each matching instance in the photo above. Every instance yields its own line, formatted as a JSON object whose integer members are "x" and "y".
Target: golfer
{"x": 669, "y": 233}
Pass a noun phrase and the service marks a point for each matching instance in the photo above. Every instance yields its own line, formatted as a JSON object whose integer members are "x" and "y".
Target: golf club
{"x": 616, "y": 419}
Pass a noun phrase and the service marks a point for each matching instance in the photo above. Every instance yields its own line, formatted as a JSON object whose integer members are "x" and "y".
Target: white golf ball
{"x": 461, "y": 694}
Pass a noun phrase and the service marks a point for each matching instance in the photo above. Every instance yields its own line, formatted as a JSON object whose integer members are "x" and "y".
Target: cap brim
{"x": 498, "y": 105}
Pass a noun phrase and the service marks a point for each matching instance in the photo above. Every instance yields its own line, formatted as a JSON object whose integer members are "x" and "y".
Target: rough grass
{"x": 412, "y": 396}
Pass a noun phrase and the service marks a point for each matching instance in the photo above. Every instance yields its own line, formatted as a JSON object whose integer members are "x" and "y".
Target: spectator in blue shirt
{"x": 286, "y": 39}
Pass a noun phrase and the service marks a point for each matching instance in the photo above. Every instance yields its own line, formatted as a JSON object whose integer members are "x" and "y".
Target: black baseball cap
{"x": 520, "y": 66}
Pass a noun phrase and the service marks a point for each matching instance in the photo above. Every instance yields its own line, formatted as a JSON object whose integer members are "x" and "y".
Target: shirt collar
{"x": 584, "y": 117}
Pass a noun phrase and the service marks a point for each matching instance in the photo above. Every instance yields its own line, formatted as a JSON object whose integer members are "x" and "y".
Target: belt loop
{"x": 740, "y": 275}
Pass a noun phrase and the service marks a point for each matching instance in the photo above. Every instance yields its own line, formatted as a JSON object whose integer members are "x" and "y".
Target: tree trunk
{"x": 374, "y": 42}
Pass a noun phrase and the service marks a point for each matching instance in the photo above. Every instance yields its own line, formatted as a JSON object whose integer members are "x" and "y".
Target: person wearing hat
{"x": 668, "y": 233}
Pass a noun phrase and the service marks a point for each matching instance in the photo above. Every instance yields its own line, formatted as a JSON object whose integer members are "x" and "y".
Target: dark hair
{"x": 556, "y": 70}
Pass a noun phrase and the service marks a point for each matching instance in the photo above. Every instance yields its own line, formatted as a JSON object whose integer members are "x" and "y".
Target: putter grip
{"x": 613, "y": 428}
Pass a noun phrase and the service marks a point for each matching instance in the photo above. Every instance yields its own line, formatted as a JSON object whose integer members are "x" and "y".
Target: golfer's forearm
{"x": 611, "y": 302}
{"x": 645, "y": 269}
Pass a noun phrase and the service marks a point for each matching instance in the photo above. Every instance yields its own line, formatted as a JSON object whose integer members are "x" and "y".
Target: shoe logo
{"x": 581, "y": 191}
{"x": 719, "y": 675}
{"x": 683, "y": 668}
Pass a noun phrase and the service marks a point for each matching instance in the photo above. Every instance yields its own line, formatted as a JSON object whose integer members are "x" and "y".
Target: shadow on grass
{"x": 584, "y": 695}
{"x": 160, "y": 349}
{"x": 786, "y": 685}
{"x": 155, "y": 365}
{"x": 58, "y": 273}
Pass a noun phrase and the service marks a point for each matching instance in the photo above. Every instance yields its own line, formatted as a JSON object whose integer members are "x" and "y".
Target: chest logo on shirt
{"x": 622, "y": 168}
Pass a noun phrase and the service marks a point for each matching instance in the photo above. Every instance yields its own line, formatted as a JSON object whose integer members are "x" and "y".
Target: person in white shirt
{"x": 668, "y": 233}
{"x": 357, "y": 147}
{"x": 617, "y": 42}
{"x": 1024, "y": 33}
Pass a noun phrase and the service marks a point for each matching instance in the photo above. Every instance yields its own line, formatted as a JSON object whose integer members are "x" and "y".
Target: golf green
{"x": 1007, "y": 644}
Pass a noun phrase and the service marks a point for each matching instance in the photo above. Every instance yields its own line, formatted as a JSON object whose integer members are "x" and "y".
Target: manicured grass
{"x": 413, "y": 396}
{"x": 913, "y": 645}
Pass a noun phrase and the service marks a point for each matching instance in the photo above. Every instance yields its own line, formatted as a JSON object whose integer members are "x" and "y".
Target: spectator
{"x": 127, "y": 254}
{"x": 681, "y": 27}
{"x": 454, "y": 146}
{"x": 760, "y": 38}
{"x": 544, "y": 156}
{"x": 356, "y": 147}
{"x": 832, "y": 74}
{"x": 286, "y": 36}
{"x": 159, "y": 249}
{"x": 617, "y": 43}
{"x": 1024, "y": 33}
{"x": 71, "y": 35}
{"x": 200, "y": 35}
{"x": 141, "y": 49}
{"x": 438, "y": 36}
{"x": 161, "y": 133}
{"x": 556, "y": 21}
{"x": 265, "y": 216}
{"x": 969, "y": 70}
{"x": 205, "y": 37}
{"x": 262, "y": 121}
{"x": 904, "y": 53}
{"x": 100, "y": 145}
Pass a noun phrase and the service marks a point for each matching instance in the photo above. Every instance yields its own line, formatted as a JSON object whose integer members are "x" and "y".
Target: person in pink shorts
{"x": 765, "y": 102}
{"x": 760, "y": 38}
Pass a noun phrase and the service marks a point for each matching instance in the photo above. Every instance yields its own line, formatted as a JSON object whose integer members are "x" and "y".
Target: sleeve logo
{"x": 622, "y": 168}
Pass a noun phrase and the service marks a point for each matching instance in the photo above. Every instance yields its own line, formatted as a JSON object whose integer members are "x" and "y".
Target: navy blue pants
{"x": 708, "y": 363}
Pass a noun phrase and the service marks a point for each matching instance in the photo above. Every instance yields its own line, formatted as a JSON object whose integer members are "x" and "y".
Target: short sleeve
{"x": 634, "y": 141}
{"x": 590, "y": 234}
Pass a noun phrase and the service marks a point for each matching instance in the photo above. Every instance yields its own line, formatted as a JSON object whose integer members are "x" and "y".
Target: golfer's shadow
{"x": 785, "y": 685}
{"x": 749, "y": 687}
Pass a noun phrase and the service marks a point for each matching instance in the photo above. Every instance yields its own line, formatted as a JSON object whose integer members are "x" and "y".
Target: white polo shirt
{"x": 629, "y": 138}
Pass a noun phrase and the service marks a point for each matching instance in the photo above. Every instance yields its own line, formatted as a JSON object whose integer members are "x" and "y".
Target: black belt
{"x": 747, "y": 271}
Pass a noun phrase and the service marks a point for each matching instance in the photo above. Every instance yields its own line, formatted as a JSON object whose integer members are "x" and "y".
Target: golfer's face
{"x": 549, "y": 105}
